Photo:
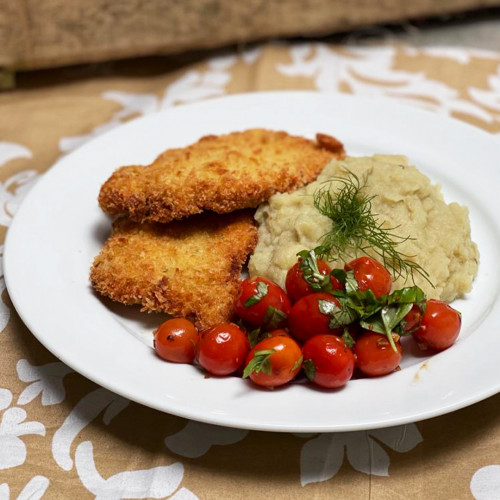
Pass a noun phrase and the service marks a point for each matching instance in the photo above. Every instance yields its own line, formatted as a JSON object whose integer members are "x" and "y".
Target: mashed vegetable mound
{"x": 404, "y": 197}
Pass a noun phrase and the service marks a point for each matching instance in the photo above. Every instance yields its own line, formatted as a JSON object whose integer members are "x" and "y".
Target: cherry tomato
{"x": 375, "y": 355}
{"x": 370, "y": 275}
{"x": 306, "y": 319}
{"x": 297, "y": 287}
{"x": 256, "y": 336}
{"x": 273, "y": 361}
{"x": 222, "y": 350}
{"x": 440, "y": 326}
{"x": 412, "y": 319}
{"x": 280, "y": 332}
{"x": 328, "y": 362}
{"x": 176, "y": 340}
{"x": 355, "y": 330}
{"x": 262, "y": 302}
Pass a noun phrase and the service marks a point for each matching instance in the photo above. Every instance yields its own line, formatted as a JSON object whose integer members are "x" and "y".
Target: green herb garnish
{"x": 297, "y": 364}
{"x": 310, "y": 369}
{"x": 347, "y": 338}
{"x": 262, "y": 289}
{"x": 385, "y": 317}
{"x": 273, "y": 318}
{"x": 383, "y": 314}
{"x": 355, "y": 229}
{"x": 338, "y": 316}
{"x": 259, "y": 363}
{"x": 255, "y": 336}
{"x": 309, "y": 266}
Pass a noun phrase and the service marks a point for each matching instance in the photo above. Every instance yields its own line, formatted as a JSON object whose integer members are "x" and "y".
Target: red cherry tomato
{"x": 262, "y": 302}
{"x": 328, "y": 362}
{"x": 222, "y": 350}
{"x": 375, "y": 355}
{"x": 280, "y": 332}
{"x": 355, "y": 330}
{"x": 370, "y": 275}
{"x": 176, "y": 340}
{"x": 440, "y": 326}
{"x": 413, "y": 319}
{"x": 256, "y": 336}
{"x": 297, "y": 287}
{"x": 306, "y": 319}
{"x": 273, "y": 361}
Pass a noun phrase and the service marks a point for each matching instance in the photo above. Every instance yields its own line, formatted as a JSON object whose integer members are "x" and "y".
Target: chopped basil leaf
{"x": 351, "y": 284}
{"x": 310, "y": 369}
{"x": 297, "y": 364}
{"x": 347, "y": 338}
{"x": 339, "y": 316}
{"x": 262, "y": 289}
{"x": 259, "y": 363}
{"x": 273, "y": 317}
{"x": 390, "y": 317}
{"x": 363, "y": 302}
{"x": 394, "y": 314}
{"x": 308, "y": 264}
{"x": 407, "y": 295}
{"x": 254, "y": 337}
{"x": 373, "y": 324}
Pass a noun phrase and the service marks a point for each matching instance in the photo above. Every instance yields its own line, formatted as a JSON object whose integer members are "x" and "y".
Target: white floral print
{"x": 485, "y": 483}
{"x": 192, "y": 86}
{"x": 157, "y": 482}
{"x": 132, "y": 104}
{"x": 369, "y": 71}
{"x": 489, "y": 98}
{"x": 86, "y": 410}
{"x": 13, "y": 190}
{"x": 34, "y": 490}
{"x": 46, "y": 380}
{"x": 196, "y": 438}
{"x": 322, "y": 456}
{"x": 11, "y": 151}
{"x": 5, "y": 398}
{"x": 12, "y": 426}
{"x": 4, "y": 309}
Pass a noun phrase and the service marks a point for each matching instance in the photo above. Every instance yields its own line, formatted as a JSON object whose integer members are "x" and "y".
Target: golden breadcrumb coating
{"x": 187, "y": 268}
{"x": 219, "y": 173}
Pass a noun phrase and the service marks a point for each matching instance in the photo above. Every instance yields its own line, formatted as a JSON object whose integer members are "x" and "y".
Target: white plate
{"x": 59, "y": 229}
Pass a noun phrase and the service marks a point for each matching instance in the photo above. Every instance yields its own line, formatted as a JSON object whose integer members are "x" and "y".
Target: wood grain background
{"x": 47, "y": 33}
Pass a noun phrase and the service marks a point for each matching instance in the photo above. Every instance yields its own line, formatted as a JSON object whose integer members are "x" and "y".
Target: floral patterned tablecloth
{"x": 61, "y": 436}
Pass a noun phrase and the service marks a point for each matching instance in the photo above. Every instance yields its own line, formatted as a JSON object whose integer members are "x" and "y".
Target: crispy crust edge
{"x": 159, "y": 297}
{"x": 156, "y": 208}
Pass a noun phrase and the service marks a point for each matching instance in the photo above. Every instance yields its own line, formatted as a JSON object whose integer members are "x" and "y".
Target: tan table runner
{"x": 62, "y": 436}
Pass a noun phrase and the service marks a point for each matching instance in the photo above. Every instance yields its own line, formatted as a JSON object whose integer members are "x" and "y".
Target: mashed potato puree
{"x": 404, "y": 197}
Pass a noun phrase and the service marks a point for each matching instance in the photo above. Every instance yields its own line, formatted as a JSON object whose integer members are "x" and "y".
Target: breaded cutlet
{"x": 188, "y": 268}
{"x": 219, "y": 173}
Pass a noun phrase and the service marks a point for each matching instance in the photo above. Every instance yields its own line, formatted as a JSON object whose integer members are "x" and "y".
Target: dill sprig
{"x": 355, "y": 229}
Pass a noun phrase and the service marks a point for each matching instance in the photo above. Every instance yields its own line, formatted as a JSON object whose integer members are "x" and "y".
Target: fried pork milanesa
{"x": 219, "y": 173}
{"x": 188, "y": 268}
